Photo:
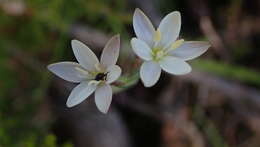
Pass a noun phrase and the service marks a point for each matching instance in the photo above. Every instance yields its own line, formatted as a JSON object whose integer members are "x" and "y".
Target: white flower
{"x": 90, "y": 73}
{"x": 160, "y": 48}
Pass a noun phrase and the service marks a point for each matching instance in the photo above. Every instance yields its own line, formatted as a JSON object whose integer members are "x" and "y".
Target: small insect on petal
{"x": 101, "y": 77}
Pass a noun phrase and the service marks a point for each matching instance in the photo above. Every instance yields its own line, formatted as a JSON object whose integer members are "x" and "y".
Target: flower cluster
{"x": 159, "y": 48}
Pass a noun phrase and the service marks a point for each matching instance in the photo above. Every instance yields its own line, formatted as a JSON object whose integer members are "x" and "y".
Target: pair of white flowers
{"x": 159, "y": 49}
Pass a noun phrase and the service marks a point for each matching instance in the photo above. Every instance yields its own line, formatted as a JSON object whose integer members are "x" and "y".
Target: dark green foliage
{"x": 41, "y": 33}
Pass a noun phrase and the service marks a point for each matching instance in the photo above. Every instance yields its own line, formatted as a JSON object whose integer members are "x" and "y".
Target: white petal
{"x": 190, "y": 50}
{"x": 150, "y": 73}
{"x": 84, "y": 55}
{"x": 143, "y": 27}
{"x": 141, "y": 49}
{"x": 175, "y": 66}
{"x": 170, "y": 28}
{"x": 68, "y": 71}
{"x": 80, "y": 93}
{"x": 111, "y": 52}
{"x": 103, "y": 98}
{"x": 113, "y": 74}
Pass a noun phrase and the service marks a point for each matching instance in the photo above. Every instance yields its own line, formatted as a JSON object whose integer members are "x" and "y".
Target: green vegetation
{"x": 41, "y": 35}
{"x": 233, "y": 72}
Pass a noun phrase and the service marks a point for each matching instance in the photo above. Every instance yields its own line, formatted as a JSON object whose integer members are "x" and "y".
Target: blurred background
{"x": 216, "y": 105}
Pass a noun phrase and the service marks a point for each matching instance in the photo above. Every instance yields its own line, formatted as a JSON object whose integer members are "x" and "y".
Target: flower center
{"x": 158, "y": 54}
{"x": 159, "y": 51}
{"x": 101, "y": 77}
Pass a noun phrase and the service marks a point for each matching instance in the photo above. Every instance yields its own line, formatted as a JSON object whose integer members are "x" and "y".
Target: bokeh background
{"x": 216, "y": 105}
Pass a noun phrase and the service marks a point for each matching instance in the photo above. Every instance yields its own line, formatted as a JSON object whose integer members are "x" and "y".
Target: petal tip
{"x": 208, "y": 45}
{"x": 148, "y": 85}
{"x": 177, "y": 13}
{"x": 189, "y": 70}
{"x": 49, "y": 67}
{"x": 186, "y": 72}
{"x": 137, "y": 10}
{"x": 117, "y": 38}
{"x": 133, "y": 40}
{"x": 69, "y": 104}
{"x": 73, "y": 41}
{"x": 103, "y": 111}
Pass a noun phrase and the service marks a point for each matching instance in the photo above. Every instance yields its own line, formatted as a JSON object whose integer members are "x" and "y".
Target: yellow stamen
{"x": 157, "y": 36}
{"x": 84, "y": 72}
{"x": 177, "y": 44}
{"x": 98, "y": 67}
{"x": 93, "y": 82}
{"x": 158, "y": 54}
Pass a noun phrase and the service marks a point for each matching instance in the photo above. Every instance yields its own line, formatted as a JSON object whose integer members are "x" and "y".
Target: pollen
{"x": 157, "y": 36}
{"x": 98, "y": 67}
{"x": 82, "y": 71}
{"x": 177, "y": 44}
{"x": 158, "y": 54}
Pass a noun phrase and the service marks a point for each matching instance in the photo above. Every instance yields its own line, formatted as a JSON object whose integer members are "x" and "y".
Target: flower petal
{"x": 170, "y": 28}
{"x": 111, "y": 52}
{"x": 141, "y": 49}
{"x": 68, "y": 71}
{"x": 80, "y": 93}
{"x": 175, "y": 66}
{"x": 150, "y": 73}
{"x": 190, "y": 50}
{"x": 143, "y": 27}
{"x": 84, "y": 55}
{"x": 113, "y": 74}
{"x": 103, "y": 98}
